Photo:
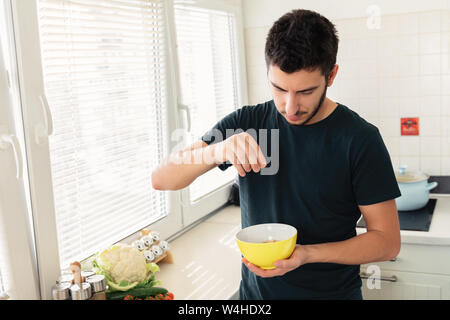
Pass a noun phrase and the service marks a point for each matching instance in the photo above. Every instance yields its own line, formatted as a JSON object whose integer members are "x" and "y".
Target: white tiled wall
{"x": 401, "y": 69}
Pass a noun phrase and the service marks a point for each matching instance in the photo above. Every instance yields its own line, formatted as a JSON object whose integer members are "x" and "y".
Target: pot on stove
{"x": 414, "y": 188}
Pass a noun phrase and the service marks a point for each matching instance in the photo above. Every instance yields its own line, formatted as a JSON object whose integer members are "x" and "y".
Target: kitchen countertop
{"x": 439, "y": 232}
{"x": 205, "y": 272}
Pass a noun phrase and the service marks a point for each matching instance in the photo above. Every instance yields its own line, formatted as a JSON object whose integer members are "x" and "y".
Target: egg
{"x": 157, "y": 251}
{"x": 164, "y": 245}
{"x": 155, "y": 235}
{"x": 139, "y": 244}
{"x": 148, "y": 240}
{"x": 149, "y": 256}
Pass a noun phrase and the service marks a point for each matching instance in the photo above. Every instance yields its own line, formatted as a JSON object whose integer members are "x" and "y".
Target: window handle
{"x": 45, "y": 130}
{"x": 11, "y": 140}
{"x": 188, "y": 112}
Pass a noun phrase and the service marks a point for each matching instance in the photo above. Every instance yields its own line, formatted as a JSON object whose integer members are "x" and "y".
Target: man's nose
{"x": 291, "y": 104}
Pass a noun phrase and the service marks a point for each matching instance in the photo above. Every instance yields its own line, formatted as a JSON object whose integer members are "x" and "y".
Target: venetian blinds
{"x": 206, "y": 42}
{"x": 104, "y": 65}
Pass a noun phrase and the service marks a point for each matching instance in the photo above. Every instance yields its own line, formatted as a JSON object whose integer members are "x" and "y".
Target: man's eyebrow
{"x": 300, "y": 91}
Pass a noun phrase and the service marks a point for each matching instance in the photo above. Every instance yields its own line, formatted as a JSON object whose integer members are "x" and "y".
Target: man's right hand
{"x": 181, "y": 168}
{"x": 242, "y": 151}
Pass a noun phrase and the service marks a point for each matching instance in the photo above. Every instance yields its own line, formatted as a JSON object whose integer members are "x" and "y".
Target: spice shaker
{"x": 61, "y": 291}
{"x": 87, "y": 273}
{"x": 81, "y": 292}
{"x": 98, "y": 286}
{"x": 64, "y": 278}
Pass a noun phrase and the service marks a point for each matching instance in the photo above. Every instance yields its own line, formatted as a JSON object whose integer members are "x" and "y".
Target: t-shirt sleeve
{"x": 373, "y": 177}
{"x": 219, "y": 132}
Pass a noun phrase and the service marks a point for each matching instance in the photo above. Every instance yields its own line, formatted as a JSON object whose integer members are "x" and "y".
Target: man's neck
{"x": 327, "y": 108}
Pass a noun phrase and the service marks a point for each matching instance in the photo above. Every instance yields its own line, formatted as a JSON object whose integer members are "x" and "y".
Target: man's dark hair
{"x": 302, "y": 39}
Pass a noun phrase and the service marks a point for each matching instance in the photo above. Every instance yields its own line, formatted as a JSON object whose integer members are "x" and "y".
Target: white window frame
{"x": 18, "y": 263}
{"x": 41, "y": 186}
{"x": 26, "y": 26}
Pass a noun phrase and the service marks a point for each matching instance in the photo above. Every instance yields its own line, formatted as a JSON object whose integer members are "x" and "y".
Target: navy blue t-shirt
{"x": 324, "y": 171}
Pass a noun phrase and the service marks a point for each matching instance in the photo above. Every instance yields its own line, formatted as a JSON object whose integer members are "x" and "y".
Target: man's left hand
{"x": 282, "y": 267}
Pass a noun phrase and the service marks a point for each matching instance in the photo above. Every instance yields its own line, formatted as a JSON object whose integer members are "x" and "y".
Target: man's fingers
{"x": 234, "y": 155}
{"x": 282, "y": 264}
{"x": 239, "y": 169}
{"x": 254, "y": 154}
{"x": 262, "y": 163}
{"x": 241, "y": 153}
{"x": 252, "y": 157}
{"x": 262, "y": 160}
{"x": 252, "y": 267}
{"x": 244, "y": 153}
{"x": 262, "y": 272}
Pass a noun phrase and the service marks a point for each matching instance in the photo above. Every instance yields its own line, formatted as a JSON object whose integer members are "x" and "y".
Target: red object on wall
{"x": 409, "y": 126}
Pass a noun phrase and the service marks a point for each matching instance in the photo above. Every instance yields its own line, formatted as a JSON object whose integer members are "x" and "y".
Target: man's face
{"x": 299, "y": 95}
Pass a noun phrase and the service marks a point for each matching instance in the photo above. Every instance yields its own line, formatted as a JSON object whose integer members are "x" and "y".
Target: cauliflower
{"x": 124, "y": 267}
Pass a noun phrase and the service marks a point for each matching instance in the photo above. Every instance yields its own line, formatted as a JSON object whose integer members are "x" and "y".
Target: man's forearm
{"x": 181, "y": 168}
{"x": 368, "y": 247}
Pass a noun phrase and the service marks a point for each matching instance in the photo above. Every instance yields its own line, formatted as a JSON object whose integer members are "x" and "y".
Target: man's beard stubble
{"x": 316, "y": 109}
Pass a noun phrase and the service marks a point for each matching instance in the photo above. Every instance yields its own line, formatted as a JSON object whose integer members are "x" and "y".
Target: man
{"x": 333, "y": 167}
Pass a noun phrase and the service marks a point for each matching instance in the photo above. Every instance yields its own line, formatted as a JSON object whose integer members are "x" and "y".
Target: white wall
{"x": 401, "y": 69}
{"x": 262, "y": 13}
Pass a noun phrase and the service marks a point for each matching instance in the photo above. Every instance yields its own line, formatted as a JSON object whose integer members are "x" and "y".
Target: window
{"x": 99, "y": 88}
{"x": 209, "y": 76}
{"x": 104, "y": 76}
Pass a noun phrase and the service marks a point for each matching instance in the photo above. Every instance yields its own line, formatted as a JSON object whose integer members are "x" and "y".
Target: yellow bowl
{"x": 252, "y": 241}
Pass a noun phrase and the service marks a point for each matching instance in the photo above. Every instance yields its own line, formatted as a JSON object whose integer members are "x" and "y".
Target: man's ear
{"x": 332, "y": 75}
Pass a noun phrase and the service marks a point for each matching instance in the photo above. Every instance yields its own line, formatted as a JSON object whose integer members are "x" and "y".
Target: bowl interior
{"x": 266, "y": 232}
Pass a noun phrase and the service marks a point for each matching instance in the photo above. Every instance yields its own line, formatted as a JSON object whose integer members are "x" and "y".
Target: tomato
{"x": 170, "y": 294}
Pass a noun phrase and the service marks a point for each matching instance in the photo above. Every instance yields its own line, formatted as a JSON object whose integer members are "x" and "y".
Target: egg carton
{"x": 153, "y": 248}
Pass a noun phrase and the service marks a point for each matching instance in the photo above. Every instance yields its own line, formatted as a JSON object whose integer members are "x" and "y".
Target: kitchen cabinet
{"x": 419, "y": 272}
{"x": 408, "y": 286}
{"x": 422, "y": 268}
